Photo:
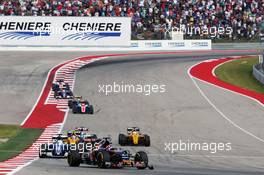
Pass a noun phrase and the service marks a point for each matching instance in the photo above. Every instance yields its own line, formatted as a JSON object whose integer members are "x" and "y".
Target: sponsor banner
{"x": 199, "y": 44}
{"x": 171, "y": 45}
{"x": 65, "y": 31}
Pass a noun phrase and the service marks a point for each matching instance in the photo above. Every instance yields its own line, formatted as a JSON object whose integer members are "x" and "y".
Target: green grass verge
{"x": 7, "y": 131}
{"x": 239, "y": 73}
{"x": 19, "y": 140}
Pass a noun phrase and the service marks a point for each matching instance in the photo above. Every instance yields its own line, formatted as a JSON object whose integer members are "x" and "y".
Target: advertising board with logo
{"x": 171, "y": 45}
{"x": 65, "y": 31}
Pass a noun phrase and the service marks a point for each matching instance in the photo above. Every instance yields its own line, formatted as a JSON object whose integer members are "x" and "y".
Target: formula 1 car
{"x": 82, "y": 107}
{"x": 73, "y": 137}
{"x": 63, "y": 94}
{"x": 60, "y": 84}
{"x": 58, "y": 148}
{"x": 73, "y": 101}
{"x": 106, "y": 156}
{"x": 134, "y": 137}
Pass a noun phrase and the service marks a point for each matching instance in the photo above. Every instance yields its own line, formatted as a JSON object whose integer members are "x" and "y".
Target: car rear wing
{"x": 132, "y": 129}
{"x": 59, "y": 136}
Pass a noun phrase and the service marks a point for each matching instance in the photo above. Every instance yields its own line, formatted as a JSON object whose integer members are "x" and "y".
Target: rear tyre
{"x": 141, "y": 158}
{"x": 91, "y": 109}
{"x": 42, "y": 151}
{"x": 74, "y": 158}
{"x": 74, "y": 109}
{"x": 55, "y": 94}
{"x": 70, "y": 103}
{"x": 55, "y": 87}
{"x": 122, "y": 140}
{"x": 103, "y": 158}
{"x": 147, "y": 140}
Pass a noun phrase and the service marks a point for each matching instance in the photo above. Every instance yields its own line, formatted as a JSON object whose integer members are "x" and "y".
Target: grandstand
{"x": 152, "y": 19}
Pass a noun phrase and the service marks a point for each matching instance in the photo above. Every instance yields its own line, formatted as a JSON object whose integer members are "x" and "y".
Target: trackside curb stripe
{"x": 204, "y": 72}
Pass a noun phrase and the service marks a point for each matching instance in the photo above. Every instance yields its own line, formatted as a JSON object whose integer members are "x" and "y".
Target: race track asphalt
{"x": 181, "y": 113}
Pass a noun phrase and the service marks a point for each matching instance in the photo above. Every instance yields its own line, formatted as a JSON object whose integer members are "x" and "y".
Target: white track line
{"x": 218, "y": 110}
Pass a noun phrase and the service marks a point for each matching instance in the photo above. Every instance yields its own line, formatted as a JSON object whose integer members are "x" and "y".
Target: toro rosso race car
{"x": 58, "y": 148}
{"x": 134, "y": 137}
{"x": 104, "y": 155}
{"x": 82, "y": 107}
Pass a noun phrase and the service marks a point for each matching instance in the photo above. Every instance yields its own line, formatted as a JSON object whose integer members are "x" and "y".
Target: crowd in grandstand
{"x": 152, "y": 18}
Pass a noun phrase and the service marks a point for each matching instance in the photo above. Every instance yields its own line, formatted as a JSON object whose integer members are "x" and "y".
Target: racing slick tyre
{"x": 74, "y": 158}
{"x": 147, "y": 140}
{"x": 56, "y": 94}
{"x": 74, "y": 110}
{"x": 70, "y": 104}
{"x": 91, "y": 109}
{"x": 42, "y": 151}
{"x": 67, "y": 86}
{"x": 70, "y": 93}
{"x": 55, "y": 87}
{"x": 103, "y": 159}
{"x": 122, "y": 140}
{"x": 141, "y": 160}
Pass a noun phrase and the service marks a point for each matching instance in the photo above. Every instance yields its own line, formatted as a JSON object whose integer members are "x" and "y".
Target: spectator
{"x": 243, "y": 16}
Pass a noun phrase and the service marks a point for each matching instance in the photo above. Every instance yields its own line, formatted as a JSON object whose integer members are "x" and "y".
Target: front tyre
{"x": 103, "y": 159}
{"x": 74, "y": 110}
{"x": 70, "y": 104}
{"x": 74, "y": 158}
{"x": 141, "y": 160}
{"x": 91, "y": 109}
{"x": 147, "y": 140}
{"x": 42, "y": 151}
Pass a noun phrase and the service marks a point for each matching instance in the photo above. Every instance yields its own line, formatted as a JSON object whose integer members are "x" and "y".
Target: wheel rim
{"x": 100, "y": 160}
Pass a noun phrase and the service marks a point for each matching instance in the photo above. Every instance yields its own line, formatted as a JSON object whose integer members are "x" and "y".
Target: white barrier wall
{"x": 171, "y": 45}
{"x": 65, "y": 31}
